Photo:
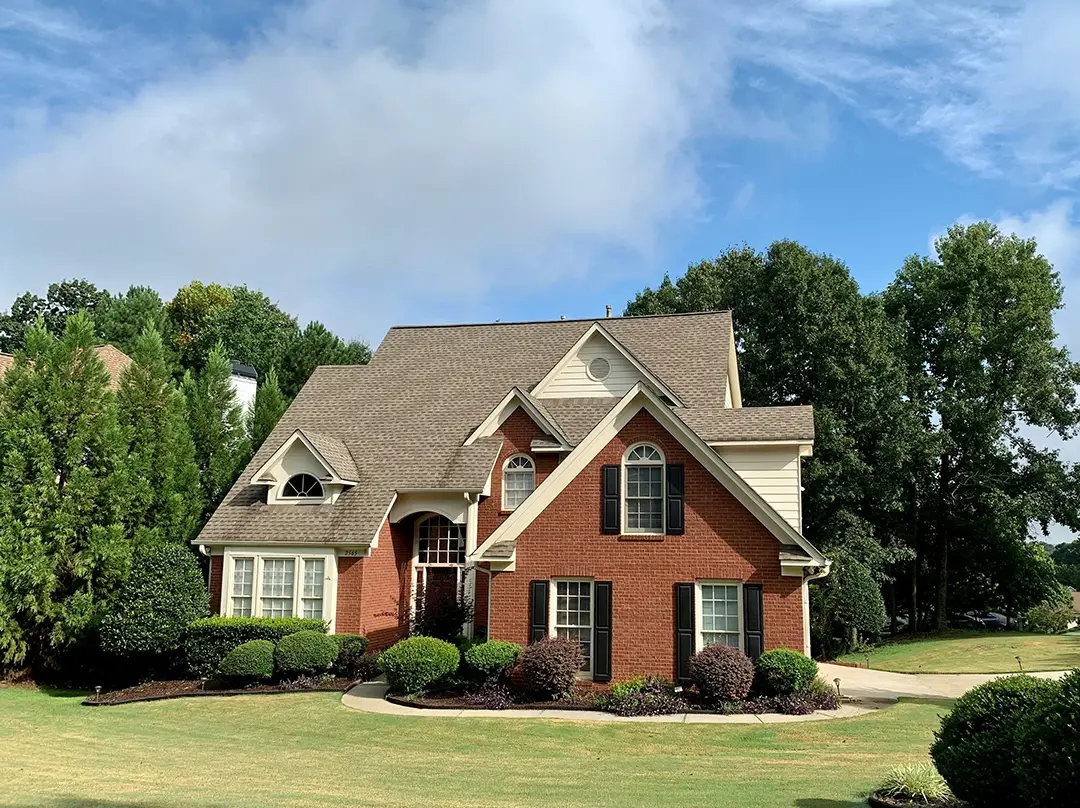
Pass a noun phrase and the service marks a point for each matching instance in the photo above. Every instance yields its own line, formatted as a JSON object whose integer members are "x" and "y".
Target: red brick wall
{"x": 350, "y": 579}
{"x": 722, "y": 541}
{"x": 373, "y": 592}
{"x": 217, "y": 565}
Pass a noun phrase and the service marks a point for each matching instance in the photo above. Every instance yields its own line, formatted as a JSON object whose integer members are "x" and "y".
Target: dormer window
{"x": 302, "y": 486}
{"x": 519, "y": 480}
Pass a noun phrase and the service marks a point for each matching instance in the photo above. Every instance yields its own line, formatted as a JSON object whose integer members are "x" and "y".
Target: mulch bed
{"x": 878, "y": 800}
{"x": 457, "y": 701}
{"x": 187, "y": 688}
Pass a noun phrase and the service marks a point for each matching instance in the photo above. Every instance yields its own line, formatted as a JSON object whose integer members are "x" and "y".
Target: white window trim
{"x": 419, "y": 569}
{"x": 699, "y": 642}
{"x": 322, "y": 487}
{"x": 299, "y": 555}
{"x": 506, "y": 467}
{"x": 553, "y": 595}
{"x": 626, "y": 530}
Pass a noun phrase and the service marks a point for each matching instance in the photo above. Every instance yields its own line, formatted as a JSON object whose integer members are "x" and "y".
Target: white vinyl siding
{"x": 773, "y": 473}
{"x": 573, "y": 380}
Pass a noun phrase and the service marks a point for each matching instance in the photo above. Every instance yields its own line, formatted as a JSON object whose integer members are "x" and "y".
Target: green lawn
{"x": 976, "y": 652}
{"x": 308, "y": 750}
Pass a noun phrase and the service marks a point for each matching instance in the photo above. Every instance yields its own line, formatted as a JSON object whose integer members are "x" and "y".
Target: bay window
{"x": 279, "y": 584}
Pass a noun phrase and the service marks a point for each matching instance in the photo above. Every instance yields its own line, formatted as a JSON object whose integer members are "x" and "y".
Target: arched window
{"x": 439, "y": 541}
{"x": 644, "y": 492}
{"x": 302, "y": 486}
{"x": 519, "y": 480}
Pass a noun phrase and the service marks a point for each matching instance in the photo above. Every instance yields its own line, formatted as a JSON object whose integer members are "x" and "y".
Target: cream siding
{"x": 573, "y": 381}
{"x": 774, "y": 473}
{"x": 299, "y": 460}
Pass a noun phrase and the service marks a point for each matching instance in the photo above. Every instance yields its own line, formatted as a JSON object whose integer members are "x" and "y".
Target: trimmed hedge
{"x": 551, "y": 665}
{"x": 976, "y": 747}
{"x": 351, "y": 651}
{"x": 721, "y": 673}
{"x": 305, "y": 652}
{"x": 492, "y": 659}
{"x": 207, "y": 641}
{"x": 781, "y": 672}
{"x": 1047, "y": 764}
{"x": 252, "y": 661}
{"x": 418, "y": 662}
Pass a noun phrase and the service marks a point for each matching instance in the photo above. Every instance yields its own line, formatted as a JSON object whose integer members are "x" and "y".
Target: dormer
{"x": 599, "y": 366}
{"x": 309, "y": 468}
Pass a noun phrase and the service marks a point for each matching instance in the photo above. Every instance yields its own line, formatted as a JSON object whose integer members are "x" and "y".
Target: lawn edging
{"x": 331, "y": 686}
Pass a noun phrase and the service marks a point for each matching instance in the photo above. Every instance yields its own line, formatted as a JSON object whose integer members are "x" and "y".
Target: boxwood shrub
{"x": 550, "y": 666}
{"x": 781, "y": 672}
{"x": 1047, "y": 764}
{"x": 491, "y": 659}
{"x": 252, "y": 661}
{"x": 304, "y": 653}
{"x": 418, "y": 662}
{"x": 207, "y": 641}
{"x": 977, "y": 744}
{"x": 721, "y": 673}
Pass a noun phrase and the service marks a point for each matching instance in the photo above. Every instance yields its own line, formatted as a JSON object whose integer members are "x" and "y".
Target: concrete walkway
{"x": 368, "y": 697}
{"x": 862, "y": 683}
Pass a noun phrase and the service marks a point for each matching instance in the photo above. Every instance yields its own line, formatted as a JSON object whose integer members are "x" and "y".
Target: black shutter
{"x": 675, "y": 499}
{"x": 609, "y": 499}
{"x": 602, "y": 632}
{"x": 538, "y": 610}
{"x": 753, "y": 621}
{"x": 684, "y": 632}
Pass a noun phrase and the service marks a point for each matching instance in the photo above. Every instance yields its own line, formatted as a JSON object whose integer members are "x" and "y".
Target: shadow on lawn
{"x": 816, "y": 803}
{"x": 94, "y": 802}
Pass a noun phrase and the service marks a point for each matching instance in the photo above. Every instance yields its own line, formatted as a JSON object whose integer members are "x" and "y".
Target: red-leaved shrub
{"x": 721, "y": 673}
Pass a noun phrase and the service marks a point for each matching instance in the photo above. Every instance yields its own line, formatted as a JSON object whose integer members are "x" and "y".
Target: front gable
{"x": 302, "y": 455}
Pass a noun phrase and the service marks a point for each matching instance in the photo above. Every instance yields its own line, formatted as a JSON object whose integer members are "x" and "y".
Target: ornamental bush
{"x": 916, "y": 782}
{"x": 977, "y": 744}
{"x": 162, "y": 595}
{"x": 251, "y": 661}
{"x": 1047, "y": 764}
{"x": 304, "y": 653}
{"x": 207, "y": 641}
{"x": 351, "y": 650}
{"x": 782, "y": 671}
{"x": 492, "y": 659}
{"x": 550, "y": 666}
{"x": 418, "y": 662}
{"x": 721, "y": 673}
{"x": 643, "y": 695}
{"x": 1048, "y": 618}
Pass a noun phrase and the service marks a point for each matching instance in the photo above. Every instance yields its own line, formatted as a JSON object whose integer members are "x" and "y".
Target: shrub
{"x": 491, "y": 695}
{"x": 721, "y": 673}
{"x": 252, "y": 661}
{"x": 793, "y": 704}
{"x": 643, "y": 696}
{"x": 845, "y": 606}
{"x": 302, "y": 682}
{"x": 207, "y": 641}
{"x": 1048, "y": 743}
{"x": 551, "y": 665}
{"x": 822, "y": 695}
{"x": 1048, "y": 618}
{"x": 780, "y": 672}
{"x": 163, "y": 594}
{"x": 365, "y": 668}
{"x": 492, "y": 659}
{"x": 918, "y": 782}
{"x": 441, "y": 618}
{"x": 305, "y": 652}
{"x": 977, "y": 741}
{"x": 352, "y": 648}
{"x": 417, "y": 662}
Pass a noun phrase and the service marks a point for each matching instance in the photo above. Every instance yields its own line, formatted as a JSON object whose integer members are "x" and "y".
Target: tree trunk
{"x": 893, "y": 622}
{"x": 943, "y": 585}
{"x": 913, "y": 596}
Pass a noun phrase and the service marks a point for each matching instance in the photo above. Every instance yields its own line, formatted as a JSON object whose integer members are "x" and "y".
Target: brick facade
{"x": 723, "y": 541}
{"x": 217, "y": 565}
{"x": 374, "y": 592}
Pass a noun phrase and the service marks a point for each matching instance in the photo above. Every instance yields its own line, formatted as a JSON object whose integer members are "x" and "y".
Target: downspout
{"x": 811, "y": 574}
{"x": 471, "y": 531}
{"x": 204, "y": 551}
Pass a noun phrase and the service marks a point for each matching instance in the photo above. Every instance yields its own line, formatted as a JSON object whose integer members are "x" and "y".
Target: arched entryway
{"x": 438, "y": 560}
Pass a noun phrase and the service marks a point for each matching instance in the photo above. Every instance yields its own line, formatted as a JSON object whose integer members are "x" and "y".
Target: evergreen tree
{"x": 124, "y": 320}
{"x": 314, "y": 346}
{"x": 64, "y": 495}
{"x": 166, "y": 497}
{"x": 217, "y": 428}
{"x": 270, "y": 405}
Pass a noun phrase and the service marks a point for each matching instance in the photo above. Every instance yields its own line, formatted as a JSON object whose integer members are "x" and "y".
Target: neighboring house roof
{"x": 113, "y": 358}
{"x": 405, "y": 416}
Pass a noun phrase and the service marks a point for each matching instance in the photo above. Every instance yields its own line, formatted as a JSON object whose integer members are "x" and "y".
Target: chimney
{"x": 244, "y": 382}
{"x": 609, "y": 311}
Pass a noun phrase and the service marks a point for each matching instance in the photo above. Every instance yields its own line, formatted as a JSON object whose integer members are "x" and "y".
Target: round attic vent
{"x": 599, "y": 368}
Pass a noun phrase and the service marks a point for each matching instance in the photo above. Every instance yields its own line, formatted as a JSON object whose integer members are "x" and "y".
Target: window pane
{"x": 242, "y": 583}
{"x": 573, "y": 615}
{"x": 441, "y": 541}
{"x": 278, "y": 582}
{"x": 720, "y": 615}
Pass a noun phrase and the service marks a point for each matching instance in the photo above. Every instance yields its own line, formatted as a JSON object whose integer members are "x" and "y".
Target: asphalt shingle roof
{"x": 403, "y": 418}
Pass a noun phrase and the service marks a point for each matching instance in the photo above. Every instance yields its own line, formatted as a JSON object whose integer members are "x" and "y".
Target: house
{"x": 598, "y": 479}
{"x": 114, "y": 359}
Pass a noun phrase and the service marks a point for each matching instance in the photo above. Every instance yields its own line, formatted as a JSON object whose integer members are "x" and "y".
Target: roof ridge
{"x": 599, "y": 320}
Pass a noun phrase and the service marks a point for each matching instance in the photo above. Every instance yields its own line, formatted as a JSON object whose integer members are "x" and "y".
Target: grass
{"x": 308, "y": 750}
{"x": 976, "y": 652}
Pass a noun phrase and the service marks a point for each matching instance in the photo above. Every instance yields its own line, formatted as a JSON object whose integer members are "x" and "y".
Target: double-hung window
{"x": 573, "y": 615}
{"x": 274, "y": 585}
{"x": 519, "y": 480}
{"x": 719, "y": 614}
{"x": 644, "y": 493}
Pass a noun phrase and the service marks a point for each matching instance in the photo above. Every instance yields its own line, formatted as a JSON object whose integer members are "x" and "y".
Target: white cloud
{"x": 376, "y": 158}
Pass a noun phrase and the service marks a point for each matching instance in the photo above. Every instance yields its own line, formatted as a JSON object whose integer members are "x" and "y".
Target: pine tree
{"x": 64, "y": 494}
{"x": 217, "y": 428}
{"x": 270, "y": 405}
{"x": 166, "y": 498}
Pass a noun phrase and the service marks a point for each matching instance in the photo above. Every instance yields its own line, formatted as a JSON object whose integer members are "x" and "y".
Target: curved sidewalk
{"x": 871, "y": 684}
{"x": 368, "y": 697}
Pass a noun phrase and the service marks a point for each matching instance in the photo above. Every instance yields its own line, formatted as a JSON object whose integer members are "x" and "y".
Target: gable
{"x": 576, "y": 378}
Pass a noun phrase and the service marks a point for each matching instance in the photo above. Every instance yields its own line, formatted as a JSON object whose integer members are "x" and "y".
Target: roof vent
{"x": 598, "y": 369}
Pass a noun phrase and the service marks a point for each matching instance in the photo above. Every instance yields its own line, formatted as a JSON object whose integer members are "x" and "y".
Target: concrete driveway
{"x": 871, "y": 684}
